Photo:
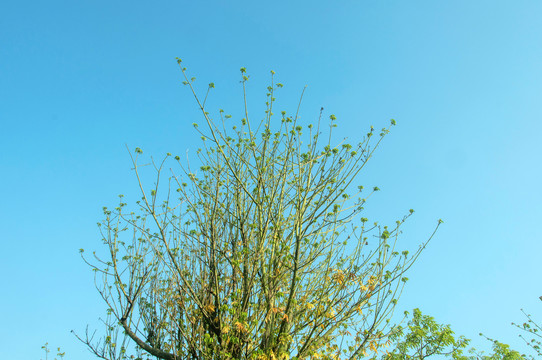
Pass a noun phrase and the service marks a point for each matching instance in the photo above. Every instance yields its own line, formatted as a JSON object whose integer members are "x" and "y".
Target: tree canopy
{"x": 259, "y": 252}
{"x": 423, "y": 337}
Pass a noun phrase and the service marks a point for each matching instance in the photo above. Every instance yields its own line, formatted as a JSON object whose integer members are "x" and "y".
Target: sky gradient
{"x": 80, "y": 80}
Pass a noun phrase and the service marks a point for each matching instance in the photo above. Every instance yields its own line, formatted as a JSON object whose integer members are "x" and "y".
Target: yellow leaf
{"x": 359, "y": 310}
{"x": 240, "y": 326}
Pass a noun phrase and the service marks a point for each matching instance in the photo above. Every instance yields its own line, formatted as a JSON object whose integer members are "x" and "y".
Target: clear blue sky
{"x": 463, "y": 79}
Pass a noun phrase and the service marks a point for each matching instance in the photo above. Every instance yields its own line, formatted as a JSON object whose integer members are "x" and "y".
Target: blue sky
{"x": 463, "y": 79}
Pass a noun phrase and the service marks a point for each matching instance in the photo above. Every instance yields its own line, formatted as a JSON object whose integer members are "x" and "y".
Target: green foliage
{"x": 59, "y": 353}
{"x": 424, "y": 337}
{"x": 501, "y": 351}
{"x": 534, "y": 331}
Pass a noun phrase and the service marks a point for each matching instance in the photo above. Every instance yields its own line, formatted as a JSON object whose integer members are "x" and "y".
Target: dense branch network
{"x": 259, "y": 254}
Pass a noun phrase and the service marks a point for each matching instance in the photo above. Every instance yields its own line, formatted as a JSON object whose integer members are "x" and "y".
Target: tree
{"x": 423, "y": 337}
{"x": 259, "y": 254}
{"x": 501, "y": 351}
